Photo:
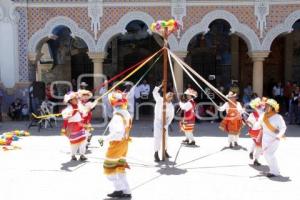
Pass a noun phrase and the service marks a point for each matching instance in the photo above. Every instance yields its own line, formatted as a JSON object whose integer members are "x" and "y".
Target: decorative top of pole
{"x": 165, "y": 28}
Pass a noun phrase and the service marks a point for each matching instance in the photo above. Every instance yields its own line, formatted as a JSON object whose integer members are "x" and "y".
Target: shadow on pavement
{"x": 169, "y": 168}
{"x": 262, "y": 168}
{"x": 71, "y": 166}
{"x": 281, "y": 179}
{"x": 276, "y": 178}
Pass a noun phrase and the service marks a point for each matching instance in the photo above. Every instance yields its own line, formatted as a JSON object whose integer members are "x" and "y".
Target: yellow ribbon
{"x": 129, "y": 75}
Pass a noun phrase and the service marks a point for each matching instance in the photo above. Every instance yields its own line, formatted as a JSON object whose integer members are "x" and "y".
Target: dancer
{"x": 118, "y": 138}
{"x": 232, "y": 123}
{"x": 187, "y": 104}
{"x": 255, "y": 130}
{"x": 273, "y": 129}
{"x": 158, "y": 120}
{"x": 73, "y": 127}
{"x": 106, "y": 107}
{"x": 84, "y": 97}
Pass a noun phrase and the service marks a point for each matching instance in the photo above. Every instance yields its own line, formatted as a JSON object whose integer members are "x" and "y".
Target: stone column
{"x": 178, "y": 72}
{"x": 258, "y": 58}
{"x": 97, "y": 58}
{"x": 9, "y": 51}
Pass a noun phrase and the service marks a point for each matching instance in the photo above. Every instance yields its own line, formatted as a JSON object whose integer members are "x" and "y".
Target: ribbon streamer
{"x": 129, "y": 75}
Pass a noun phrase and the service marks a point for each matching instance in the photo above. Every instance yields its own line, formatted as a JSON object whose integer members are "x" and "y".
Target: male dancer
{"x": 158, "y": 128}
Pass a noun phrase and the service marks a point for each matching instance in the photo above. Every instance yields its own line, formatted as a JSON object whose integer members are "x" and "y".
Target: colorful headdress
{"x": 191, "y": 92}
{"x": 273, "y": 104}
{"x": 255, "y": 103}
{"x": 69, "y": 96}
{"x": 118, "y": 99}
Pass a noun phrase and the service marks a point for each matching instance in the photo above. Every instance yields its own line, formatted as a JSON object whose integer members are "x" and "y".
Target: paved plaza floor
{"x": 41, "y": 169}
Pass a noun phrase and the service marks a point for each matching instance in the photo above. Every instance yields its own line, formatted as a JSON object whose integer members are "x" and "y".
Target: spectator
{"x": 247, "y": 94}
{"x": 278, "y": 93}
{"x": 83, "y": 85}
{"x": 37, "y": 93}
{"x": 74, "y": 84}
{"x": 144, "y": 89}
{"x": 49, "y": 93}
{"x": 25, "y": 112}
{"x": 15, "y": 109}
{"x": 287, "y": 92}
{"x": 107, "y": 109}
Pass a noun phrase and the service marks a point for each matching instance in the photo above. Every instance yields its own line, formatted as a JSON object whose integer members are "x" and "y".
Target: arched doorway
{"x": 283, "y": 63}
{"x": 64, "y": 58}
{"x": 220, "y": 57}
{"x": 125, "y": 50}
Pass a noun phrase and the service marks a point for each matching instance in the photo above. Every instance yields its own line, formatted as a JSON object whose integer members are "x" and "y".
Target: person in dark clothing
{"x": 15, "y": 110}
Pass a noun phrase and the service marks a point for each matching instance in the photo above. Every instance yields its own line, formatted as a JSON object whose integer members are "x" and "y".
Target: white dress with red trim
{"x": 188, "y": 122}
{"x": 73, "y": 124}
{"x": 255, "y": 130}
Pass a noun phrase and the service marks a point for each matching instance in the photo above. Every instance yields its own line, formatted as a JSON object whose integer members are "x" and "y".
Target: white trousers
{"x": 157, "y": 129}
{"x": 232, "y": 138}
{"x": 257, "y": 151}
{"x": 120, "y": 182}
{"x": 270, "y": 146}
{"x": 189, "y": 136}
{"x": 81, "y": 147}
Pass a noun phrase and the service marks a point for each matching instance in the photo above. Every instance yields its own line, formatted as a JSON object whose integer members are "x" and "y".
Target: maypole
{"x": 165, "y": 28}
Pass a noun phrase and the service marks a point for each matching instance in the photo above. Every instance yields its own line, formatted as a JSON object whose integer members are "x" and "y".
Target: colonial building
{"x": 252, "y": 41}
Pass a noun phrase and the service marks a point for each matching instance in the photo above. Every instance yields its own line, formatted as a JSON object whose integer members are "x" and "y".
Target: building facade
{"x": 252, "y": 41}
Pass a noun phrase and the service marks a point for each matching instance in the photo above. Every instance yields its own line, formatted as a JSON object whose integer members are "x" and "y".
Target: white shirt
{"x": 158, "y": 110}
{"x": 185, "y": 106}
{"x": 254, "y": 122}
{"x": 277, "y": 91}
{"x": 117, "y": 127}
{"x": 278, "y": 122}
{"x": 67, "y": 114}
{"x": 225, "y": 106}
{"x": 137, "y": 92}
{"x": 145, "y": 89}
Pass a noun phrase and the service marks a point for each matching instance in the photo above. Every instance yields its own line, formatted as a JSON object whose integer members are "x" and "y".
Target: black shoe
{"x": 117, "y": 194}
{"x": 230, "y": 146}
{"x": 269, "y": 175}
{"x": 256, "y": 163}
{"x": 185, "y": 141}
{"x": 167, "y": 155}
{"x": 236, "y": 144}
{"x": 192, "y": 143}
{"x": 156, "y": 157}
{"x": 73, "y": 158}
{"x": 127, "y": 196}
{"x": 251, "y": 155}
{"x": 83, "y": 158}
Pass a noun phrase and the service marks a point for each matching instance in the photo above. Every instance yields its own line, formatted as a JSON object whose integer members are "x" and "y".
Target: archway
{"x": 64, "y": 58}
{"x": 283, "y": 64}
{"x": 220, "y": 57}
{"x": 125, "y": 50}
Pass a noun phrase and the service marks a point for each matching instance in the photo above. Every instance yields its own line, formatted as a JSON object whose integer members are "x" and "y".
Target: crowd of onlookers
{"x": 288, "y": 96}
